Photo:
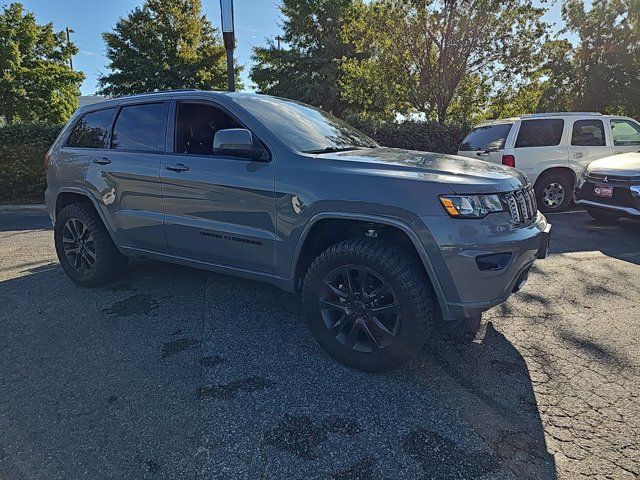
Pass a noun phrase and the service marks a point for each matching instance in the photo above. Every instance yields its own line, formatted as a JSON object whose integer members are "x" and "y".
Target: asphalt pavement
{"x": 173, "y": 372}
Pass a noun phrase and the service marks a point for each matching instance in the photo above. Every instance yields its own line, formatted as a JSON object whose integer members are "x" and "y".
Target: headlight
{"x": 470, "y": 206}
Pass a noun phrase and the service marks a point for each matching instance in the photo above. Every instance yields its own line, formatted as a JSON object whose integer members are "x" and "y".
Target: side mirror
{"x": 236, "y": 142}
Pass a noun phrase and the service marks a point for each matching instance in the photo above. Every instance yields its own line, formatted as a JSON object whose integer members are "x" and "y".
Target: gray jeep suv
{"x": 379, "y": 241}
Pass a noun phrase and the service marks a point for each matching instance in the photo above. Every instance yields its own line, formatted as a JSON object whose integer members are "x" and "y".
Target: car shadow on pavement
{"x": 172, "y": 371}
{"x": 580, "y": 233}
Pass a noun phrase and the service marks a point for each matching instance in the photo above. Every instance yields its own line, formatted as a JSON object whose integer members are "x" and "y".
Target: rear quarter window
{"x": 540, "y": 133}
{"x": 91, "y": 130}
{"x": 486, "y": 137}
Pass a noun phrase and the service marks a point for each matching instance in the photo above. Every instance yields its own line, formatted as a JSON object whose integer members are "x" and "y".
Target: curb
{"x": 31, "y": 208}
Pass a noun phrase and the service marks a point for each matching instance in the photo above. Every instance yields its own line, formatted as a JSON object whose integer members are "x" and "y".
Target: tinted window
{"x": 303, "y": 128}
{"x": 540, "y": 133}
{"x": 138, "y": 127}
{"x": 486, "y": 137}
{"x": 91, "y": 131}
{"x": 196, "y": 126}
{"x": 625, "y": 133}
{"x": 588, "y": 133}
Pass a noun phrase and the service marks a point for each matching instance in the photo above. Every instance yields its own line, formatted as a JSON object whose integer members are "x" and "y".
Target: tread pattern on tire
{"x": 399, "y": 264}
{"x": 110, "y": 262}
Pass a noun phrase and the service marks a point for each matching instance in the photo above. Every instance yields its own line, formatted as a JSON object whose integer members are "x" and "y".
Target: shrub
{"x": 414, "y": 135}
{"x": 22, "y": 151}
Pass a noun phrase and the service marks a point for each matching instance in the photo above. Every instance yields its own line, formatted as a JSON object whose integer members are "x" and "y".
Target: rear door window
{"x": 139, "y": 127}
{"x": 588, "y": 133}
{"x": 540, "y": 133}
{"x": 91, "y": 130}
{"x": 486, "y": 137}
{"x": 625, "y": 133}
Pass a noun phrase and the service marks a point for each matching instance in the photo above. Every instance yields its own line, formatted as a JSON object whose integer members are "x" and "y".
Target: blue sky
{"x": 254, "y": 20}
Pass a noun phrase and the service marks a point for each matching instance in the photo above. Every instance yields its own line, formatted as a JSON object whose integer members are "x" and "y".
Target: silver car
{"x": 379, "y": 241}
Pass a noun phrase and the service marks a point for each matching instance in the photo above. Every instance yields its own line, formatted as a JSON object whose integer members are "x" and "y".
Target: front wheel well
{"x": 327, "y": 232}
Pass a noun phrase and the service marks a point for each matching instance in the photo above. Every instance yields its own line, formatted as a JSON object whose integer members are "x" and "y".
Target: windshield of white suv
{"x": 486, "y": 137}
{"x": 302, "y": 127}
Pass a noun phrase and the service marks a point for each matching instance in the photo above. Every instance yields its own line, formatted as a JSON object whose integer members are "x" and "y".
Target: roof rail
{"x": 160, "y": 92}
{"x": 553, "y": 114}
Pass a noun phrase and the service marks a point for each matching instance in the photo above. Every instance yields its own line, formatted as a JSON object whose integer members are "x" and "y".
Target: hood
{"x": 623, "y": 165}
{"x": 461, "y": 174}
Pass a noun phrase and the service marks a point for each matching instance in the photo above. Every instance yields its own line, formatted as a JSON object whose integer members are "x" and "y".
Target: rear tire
{"x": 85, "y": 250}
{"x": 356, "y": 287}
{"x": 553, "y": 192}
{"x": 603, "y": 215}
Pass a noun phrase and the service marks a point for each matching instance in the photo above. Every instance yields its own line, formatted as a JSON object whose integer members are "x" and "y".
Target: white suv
{"x": 552, "y": 148}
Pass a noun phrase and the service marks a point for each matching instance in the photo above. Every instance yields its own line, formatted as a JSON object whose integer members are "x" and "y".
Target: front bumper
{"x": 481, "y": 262}
{"x": 625, "y": 199}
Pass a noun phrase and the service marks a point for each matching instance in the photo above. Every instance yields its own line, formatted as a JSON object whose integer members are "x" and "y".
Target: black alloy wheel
{"x": 84, "y": 247}
{"x": 369, "y": 303}
{"x": 78, "y": 244}
{"x": 360, "y": 308}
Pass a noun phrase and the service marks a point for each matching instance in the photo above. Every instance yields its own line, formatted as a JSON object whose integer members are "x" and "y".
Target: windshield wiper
{"x": 332, "y": 149}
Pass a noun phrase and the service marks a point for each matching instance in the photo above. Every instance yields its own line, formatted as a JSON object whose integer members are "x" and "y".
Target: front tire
{"x": 603, "y": 215}
{"x": 85, "y": 249}
{"x": 369, "y": 304}
{"x": 553, "y": 192}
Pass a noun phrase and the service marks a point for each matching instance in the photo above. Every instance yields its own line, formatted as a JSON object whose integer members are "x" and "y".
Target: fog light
{"x": 493, "y": 262}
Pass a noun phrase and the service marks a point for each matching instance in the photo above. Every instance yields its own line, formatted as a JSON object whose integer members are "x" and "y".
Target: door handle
{"x": 578, "y": 155}
{"x": 178, "y": 167}
{"x": 102, "y": 161}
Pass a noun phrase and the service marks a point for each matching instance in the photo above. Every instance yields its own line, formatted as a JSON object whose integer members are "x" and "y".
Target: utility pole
{"x": 279, "y": 57}
{"x": 229, "y": 38}
{"x": 70, "y": 31}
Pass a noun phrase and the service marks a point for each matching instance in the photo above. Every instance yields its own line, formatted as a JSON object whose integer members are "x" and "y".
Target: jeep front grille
{"x": 521, "y": 204}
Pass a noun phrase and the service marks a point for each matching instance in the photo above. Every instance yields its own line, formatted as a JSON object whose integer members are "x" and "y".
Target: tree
{"x": 605, "y": 73}
{"x": 36, "y": 83}
{"x": 436, "y": 57}
{"x": 308, "y": 69}
{"x": 547, "y": 88}
{"x": 166, "y": 44}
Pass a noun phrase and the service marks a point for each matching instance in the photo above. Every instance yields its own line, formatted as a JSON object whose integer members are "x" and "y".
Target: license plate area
{"x": 604, "y": 191}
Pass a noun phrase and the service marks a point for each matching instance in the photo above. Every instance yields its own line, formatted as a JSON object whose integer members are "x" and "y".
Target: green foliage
{"x": 439, "y": 58}
{"x": 307, "y": 66}
{"x": 22, "y": 151}
{"x": 454, "y": 60}
{"x": 415, "y": 135}
{"x": 605, "y": 66}
{"x": 36, "y": 83}
{"x": 166, "y": 44}
{"x": 600, "y": 73}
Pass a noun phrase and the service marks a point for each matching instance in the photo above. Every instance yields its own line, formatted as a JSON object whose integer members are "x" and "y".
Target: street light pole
{"x": 69, "y": 31}
{"x": 228, "y": 36}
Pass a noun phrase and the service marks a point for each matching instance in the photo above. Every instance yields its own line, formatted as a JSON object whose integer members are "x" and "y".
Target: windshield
{"x": 486, "y": 137}
{"x": 301, "y": 127}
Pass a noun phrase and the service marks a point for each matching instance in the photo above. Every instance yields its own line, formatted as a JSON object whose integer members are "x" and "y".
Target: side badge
{"x": 298, "y": 205}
